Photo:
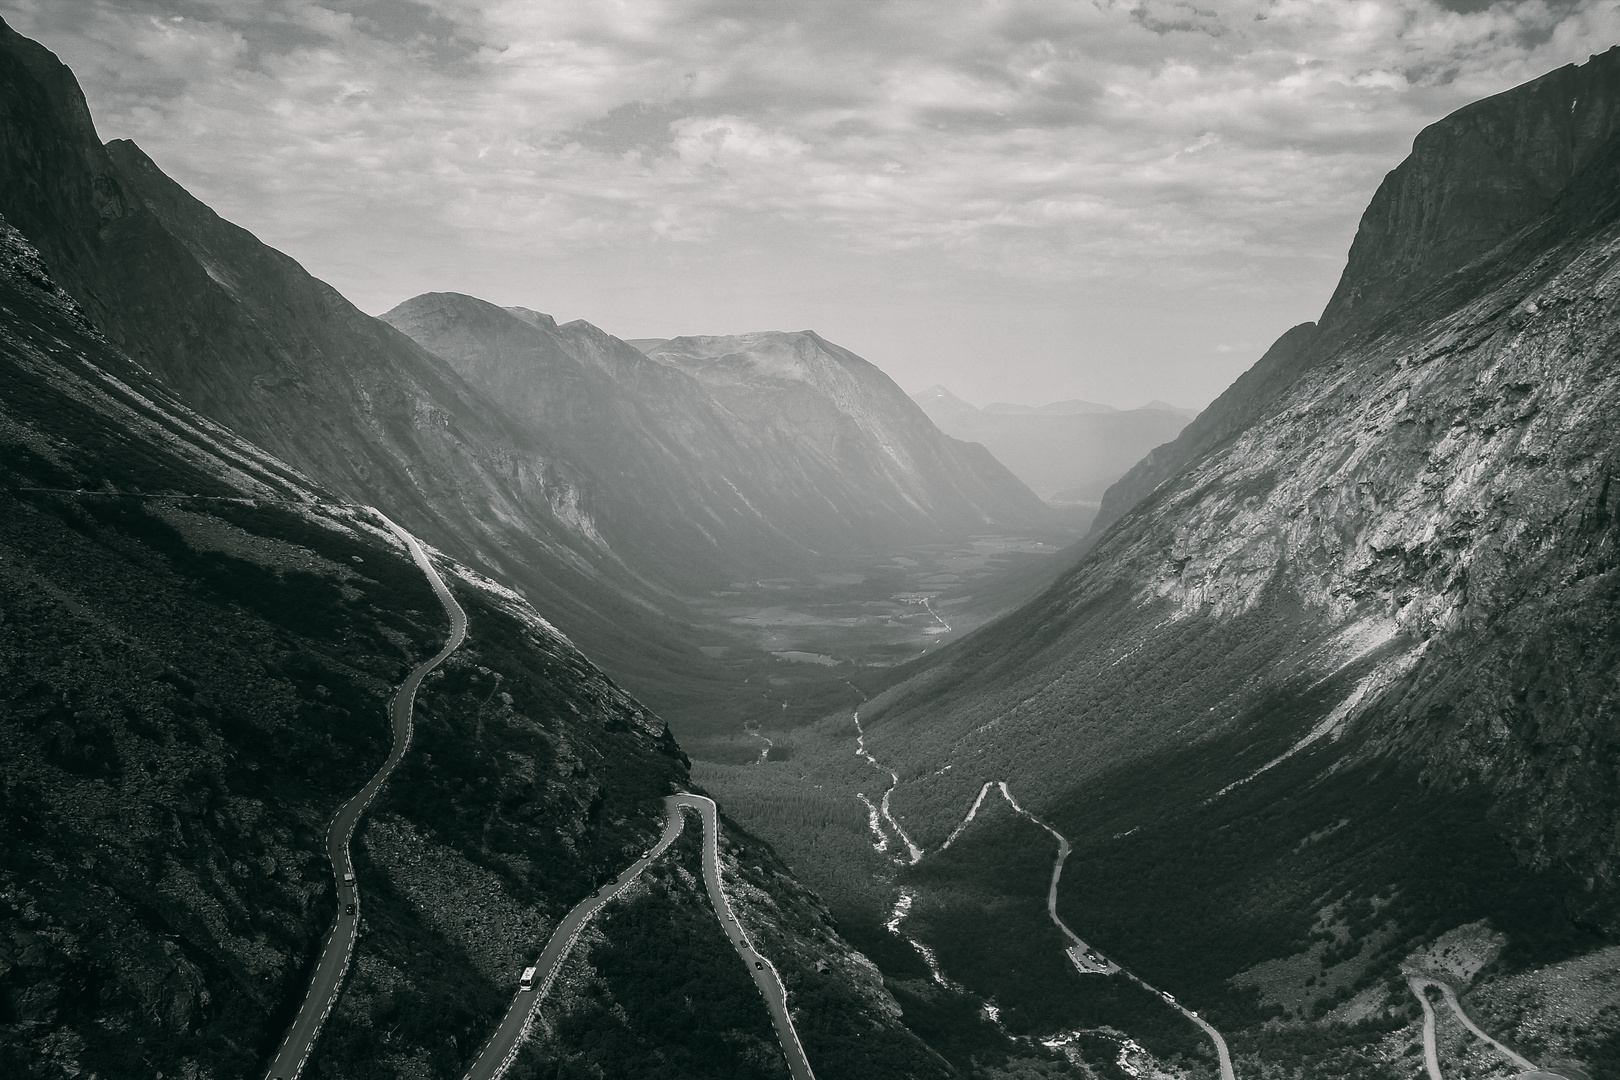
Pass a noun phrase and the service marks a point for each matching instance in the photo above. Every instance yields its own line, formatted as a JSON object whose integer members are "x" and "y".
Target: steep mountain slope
{"x": 1472, "y": 181}
{"x": 1067, "y": 452}
{"x": 198, "y": 644}
{"x": 251, "y": 340}
{"x": 844, "y": 414}
{"x": 1239, "y": 405}
{"x": 726, "y": 468}
{"x": 1416, "y": 489}
{"x": 1350, "y": 668}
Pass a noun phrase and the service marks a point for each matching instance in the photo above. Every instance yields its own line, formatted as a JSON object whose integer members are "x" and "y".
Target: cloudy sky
{"x": 1025, "y": 200}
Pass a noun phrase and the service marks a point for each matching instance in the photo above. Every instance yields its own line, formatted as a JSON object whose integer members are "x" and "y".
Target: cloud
{"x": 1206, "y": 145}
{"x": 1170, "y": 122}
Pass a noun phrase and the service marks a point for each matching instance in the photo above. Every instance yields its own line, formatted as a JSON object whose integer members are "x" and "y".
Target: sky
{"x": 1024, "y": 200}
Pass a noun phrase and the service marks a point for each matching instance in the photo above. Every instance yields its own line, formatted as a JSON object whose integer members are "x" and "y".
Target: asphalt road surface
{"x": 339, "y": 948}
{"x": 1431, "y": 1054}
{"x": 763, "y": 971}
{"x": 499, "y": 1053}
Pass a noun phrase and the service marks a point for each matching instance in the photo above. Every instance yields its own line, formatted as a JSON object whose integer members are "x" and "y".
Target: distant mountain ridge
{"x": 1067, "y": 451}
{"x": 725, "y": 457}
{"x": 1072, "y": 407}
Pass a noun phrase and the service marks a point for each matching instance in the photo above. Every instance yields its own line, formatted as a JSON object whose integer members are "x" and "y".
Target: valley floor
{"x": 966, "y": 922}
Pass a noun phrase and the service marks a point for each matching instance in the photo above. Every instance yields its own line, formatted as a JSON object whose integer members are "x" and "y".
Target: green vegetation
{"x": 1337, "y": 1050}
{"x": 180, "y": 724}
{"x": 436, "y": 994}
{"x": 483, "y": 778}
{"x": 1191, "y": 899}
{"x": 825, "y": 831}
{"x": 172, "y": 755}
{"x": 460, "y": 784}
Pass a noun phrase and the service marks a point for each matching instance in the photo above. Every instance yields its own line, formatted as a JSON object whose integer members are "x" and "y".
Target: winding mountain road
{"x": 1221, "y": 1051}
{"x": 502, "y": 1048}
{"x": 1431, "y": 1053}
{"x": 338, "y": 951}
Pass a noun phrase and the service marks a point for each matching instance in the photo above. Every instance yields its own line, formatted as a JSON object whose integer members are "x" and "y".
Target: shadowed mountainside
{"x": 732, "y": 468}
{"x": 198, "y": 646}
{"x": 193, "y": 685}
{"x": 1416, "y": 531}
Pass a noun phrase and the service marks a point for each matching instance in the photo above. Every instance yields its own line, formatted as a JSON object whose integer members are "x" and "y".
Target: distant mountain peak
{"x": 792, "y": 355}
{"x": 1161, "y": 405}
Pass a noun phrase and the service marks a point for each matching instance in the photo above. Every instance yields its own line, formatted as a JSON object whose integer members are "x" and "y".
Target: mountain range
{"x": 713, "y": 459}
{"x": 1313, "y": 734}
{"x": 1068, "y": 452}
{"x": 607, "y": 503}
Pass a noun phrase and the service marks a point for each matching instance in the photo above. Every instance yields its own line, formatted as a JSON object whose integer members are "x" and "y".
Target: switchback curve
{"x": 502, "y": 1048}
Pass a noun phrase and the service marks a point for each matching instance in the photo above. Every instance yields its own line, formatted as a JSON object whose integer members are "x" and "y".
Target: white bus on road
{"x": 527, "y": 981}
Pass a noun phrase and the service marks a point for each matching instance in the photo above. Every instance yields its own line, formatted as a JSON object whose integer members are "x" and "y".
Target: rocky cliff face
{"x": 723, "y": 458}
{"x": 1473, "y": 181}
{"x": 1376, "y": 583}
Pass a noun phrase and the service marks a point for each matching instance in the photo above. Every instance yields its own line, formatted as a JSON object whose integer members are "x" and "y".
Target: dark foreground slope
{"x": 1349, "y": 669}
{"x": 197, "y": 646}
{"x": 192, "y": 685}
{"x": 767, "y": 456}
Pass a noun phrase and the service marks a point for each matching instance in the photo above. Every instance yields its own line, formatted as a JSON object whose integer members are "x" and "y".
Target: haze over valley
{"x": 459, "y": 691}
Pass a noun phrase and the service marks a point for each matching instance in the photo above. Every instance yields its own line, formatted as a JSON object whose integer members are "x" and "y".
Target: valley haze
{"x": 462, "y": 692}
